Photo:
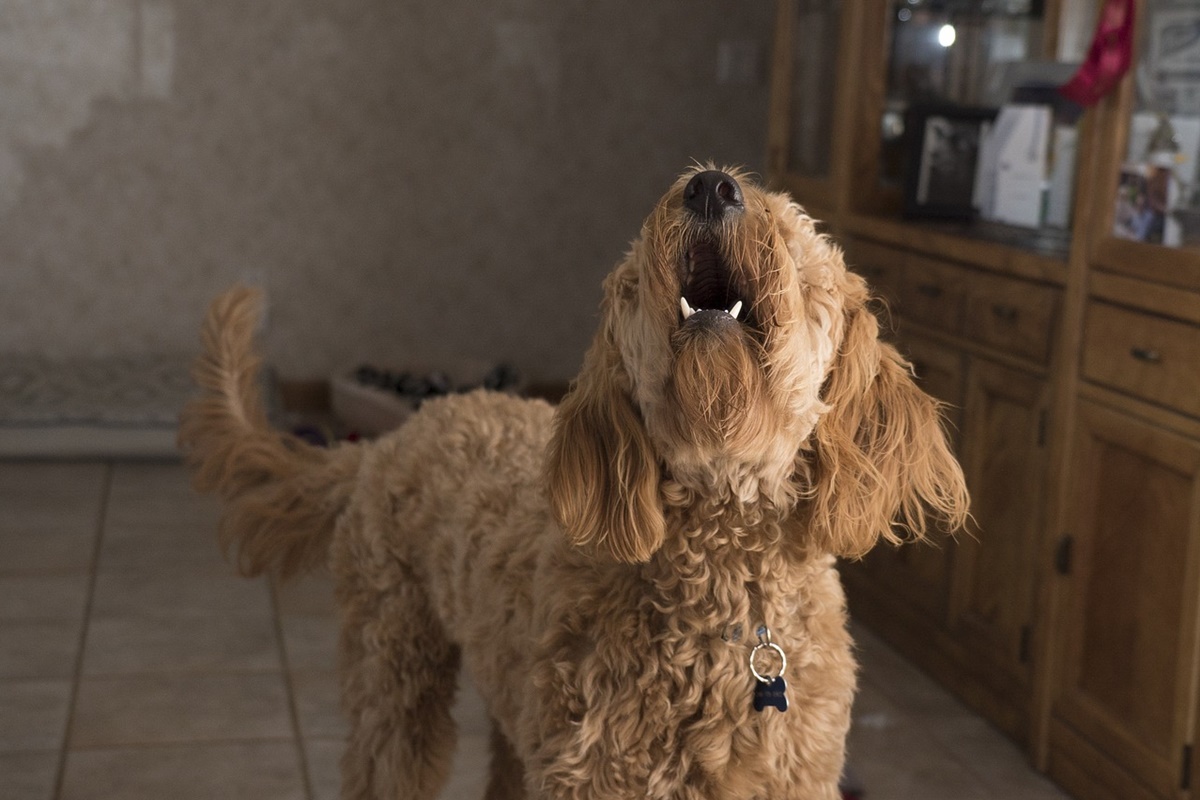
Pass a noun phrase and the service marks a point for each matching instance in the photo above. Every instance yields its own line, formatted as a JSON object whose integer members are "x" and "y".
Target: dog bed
{"x": 117, "y": 407}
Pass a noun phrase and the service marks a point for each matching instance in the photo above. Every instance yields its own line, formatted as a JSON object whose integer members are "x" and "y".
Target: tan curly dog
{"x": 609, "y": 572}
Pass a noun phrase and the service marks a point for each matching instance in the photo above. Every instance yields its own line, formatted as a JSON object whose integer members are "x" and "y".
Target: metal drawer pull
{"x": 930, "y": 290}
{"x": 1005, "y": 313}
{"x": 1147, "y": 354}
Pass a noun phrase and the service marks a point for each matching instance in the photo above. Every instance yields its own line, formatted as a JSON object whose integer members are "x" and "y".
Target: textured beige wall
{"x": 430, "y": 179}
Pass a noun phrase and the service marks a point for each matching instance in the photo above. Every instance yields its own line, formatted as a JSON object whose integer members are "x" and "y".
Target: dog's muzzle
{"x": 709, "y": 297}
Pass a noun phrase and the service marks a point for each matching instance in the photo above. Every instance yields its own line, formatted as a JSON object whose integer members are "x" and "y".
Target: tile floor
{"x": 134, "y": 665}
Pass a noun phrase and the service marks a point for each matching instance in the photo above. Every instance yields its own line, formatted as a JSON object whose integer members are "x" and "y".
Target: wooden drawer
{"x": 1011, "y": 315}
{"x": 933, "y": 293}
{"x": 1154, "y": 358}
{"x": 939, "y": 370}
{"x": 880, "y": 265}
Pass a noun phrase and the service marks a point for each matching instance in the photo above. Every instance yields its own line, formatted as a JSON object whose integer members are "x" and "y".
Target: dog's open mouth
{"x": 708, "y": 292}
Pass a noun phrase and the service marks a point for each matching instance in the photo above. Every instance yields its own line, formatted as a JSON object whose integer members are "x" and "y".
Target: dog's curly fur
{"x": 590, "y": 563}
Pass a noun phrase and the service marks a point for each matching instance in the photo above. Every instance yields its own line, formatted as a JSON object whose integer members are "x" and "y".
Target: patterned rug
{"x": 97, "y": 408}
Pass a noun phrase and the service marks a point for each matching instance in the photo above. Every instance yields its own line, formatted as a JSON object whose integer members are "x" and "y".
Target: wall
{"x": 422, "y": 180}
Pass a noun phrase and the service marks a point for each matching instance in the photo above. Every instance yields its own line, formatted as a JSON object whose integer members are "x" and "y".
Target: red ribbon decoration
{"x": 1109, "y": 56}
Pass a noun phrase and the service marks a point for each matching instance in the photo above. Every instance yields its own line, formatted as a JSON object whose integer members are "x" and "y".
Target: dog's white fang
{"x": 688, "y": 310}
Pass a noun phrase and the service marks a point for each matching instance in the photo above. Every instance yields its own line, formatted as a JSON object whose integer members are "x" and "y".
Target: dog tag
{"x": 772, "y": 693}
{"x": 769, "y": 691}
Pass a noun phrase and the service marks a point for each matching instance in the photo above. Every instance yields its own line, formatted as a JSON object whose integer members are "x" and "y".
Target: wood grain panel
{"x": 1151, "y": 357}
{"x": 1015, "y": 316}
{"x": 1128, "y": 673}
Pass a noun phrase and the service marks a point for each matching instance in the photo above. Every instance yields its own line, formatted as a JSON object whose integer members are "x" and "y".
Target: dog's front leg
{"x": 506, "y": 780}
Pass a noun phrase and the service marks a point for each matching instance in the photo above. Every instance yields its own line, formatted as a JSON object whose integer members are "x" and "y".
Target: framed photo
{"x": 1171, "y": 64}
{"x": 943, "y": 152}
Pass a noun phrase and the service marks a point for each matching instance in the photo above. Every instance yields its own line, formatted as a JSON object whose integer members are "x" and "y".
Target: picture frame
{"x": 942, "y": 158}
{"x": 1172, "y": 56}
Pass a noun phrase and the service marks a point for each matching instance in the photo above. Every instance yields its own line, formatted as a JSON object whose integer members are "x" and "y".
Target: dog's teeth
{"x": 737, "y": 309}
{"x": 687, "y": 310}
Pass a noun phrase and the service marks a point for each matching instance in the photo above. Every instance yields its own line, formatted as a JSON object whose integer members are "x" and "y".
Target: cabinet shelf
{"x": 1038, "y": 255}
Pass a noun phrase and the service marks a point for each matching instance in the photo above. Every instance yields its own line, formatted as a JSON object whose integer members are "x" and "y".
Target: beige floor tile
{"x": 167, "y": 545}
{"x": 155, "y": 521}
{"x": 152, "y": 709}
{"x": 150, "y": 483}
{"x": 43, "y": 597}
{"x": 470, "y": 713}
{"x": 51, "y": 516}
{"x": 28, "y": 776}
{"x": 308, "y": 595}
{"x": 318, "y": 705}
{"x": 897, "y": 761}
{"x": 991, "y": 757}
{"x": 900, "y": 680}
{"x": 229, "y": 771}
{"x": 141, "y": 644}
{"x": 324, "y": 773}
{"x": 47, "y": 543}
{"x": 468, "y": 774}
{"x": 57, "y": 483}
{"x": 39, "y": 648}
{"x": 34, "y": 714}
{"x": 179, "y": 593}
{"x": 311, "y": 642}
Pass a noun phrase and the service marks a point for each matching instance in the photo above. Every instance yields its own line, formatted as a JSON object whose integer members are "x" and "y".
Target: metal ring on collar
{"x": 782, "y": 661}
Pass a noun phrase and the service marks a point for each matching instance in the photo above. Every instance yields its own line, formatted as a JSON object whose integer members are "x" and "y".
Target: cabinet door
{"x": 1128, "y": 670}
{"x": 994, "y": 589}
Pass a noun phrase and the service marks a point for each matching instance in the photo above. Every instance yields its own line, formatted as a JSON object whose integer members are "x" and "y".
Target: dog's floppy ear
{"x": 602, "y": 474}
{"x": 882, "y": 456}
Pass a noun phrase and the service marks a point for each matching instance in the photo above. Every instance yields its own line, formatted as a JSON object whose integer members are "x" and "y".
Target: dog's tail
{"x": 281, "y": 495}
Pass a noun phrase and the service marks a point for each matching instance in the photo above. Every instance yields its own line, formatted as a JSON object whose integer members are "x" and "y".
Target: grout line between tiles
{"x": 151, "y": 744}
{"x": 289, "y": 686}
{"x": 77, "y": 673}
{"x": 183, "y": 672}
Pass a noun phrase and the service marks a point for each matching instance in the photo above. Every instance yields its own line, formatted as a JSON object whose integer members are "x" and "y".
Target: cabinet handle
{"x": 1146, "y": 354}
{"x": 1005, "y": 313}
{"x": 931, "y": 290}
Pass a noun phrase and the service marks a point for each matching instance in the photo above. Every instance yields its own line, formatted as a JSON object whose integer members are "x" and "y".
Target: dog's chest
{"x": 681, "y": 712}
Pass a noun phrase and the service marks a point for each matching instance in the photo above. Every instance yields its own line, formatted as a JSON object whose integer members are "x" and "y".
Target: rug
{"x": 118, "y": 407}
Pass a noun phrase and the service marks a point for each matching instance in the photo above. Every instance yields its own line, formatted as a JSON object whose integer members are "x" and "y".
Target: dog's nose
{"x": 711, "y": 194}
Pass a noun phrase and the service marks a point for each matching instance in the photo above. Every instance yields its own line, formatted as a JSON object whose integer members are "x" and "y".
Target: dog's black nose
{"x": 710, "y": 194}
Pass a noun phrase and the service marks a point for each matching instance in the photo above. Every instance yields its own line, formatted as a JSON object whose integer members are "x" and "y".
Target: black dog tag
{"x": 771, "y": 693}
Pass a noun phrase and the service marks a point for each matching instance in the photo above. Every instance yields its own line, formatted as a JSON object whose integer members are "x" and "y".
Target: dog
{"x": 642, "y": 581}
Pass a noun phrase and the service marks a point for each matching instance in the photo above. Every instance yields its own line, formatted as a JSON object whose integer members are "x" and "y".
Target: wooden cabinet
{"x": 1069, "y": 363}
{"x": 964, "y": 607}
{"x": 1126, "y": 693}
{"x": 917, "y": 576}
{"x": 995, "y": 570}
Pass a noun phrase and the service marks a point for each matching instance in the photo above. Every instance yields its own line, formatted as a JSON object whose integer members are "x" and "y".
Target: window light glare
{"x": 946, "y": 35}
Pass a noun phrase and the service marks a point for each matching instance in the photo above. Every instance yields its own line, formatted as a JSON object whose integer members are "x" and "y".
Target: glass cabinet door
{"x": 814, "y": 42}
{"x": 1158, "y": 190}
{"x": 804, "y": 97}
{"x": 952, "y": 53}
